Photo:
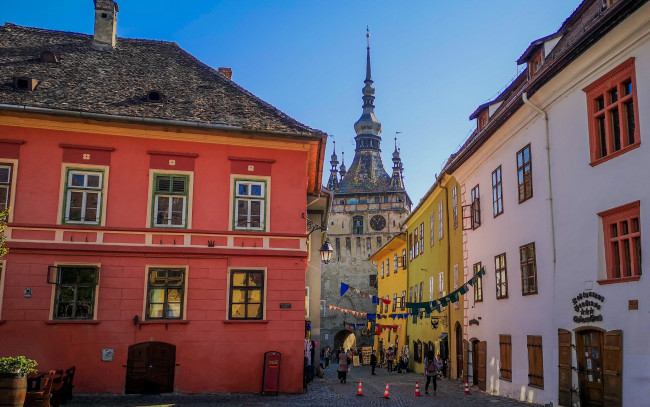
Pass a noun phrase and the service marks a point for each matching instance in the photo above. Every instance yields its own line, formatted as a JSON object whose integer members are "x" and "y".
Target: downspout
{"x": 524, "y": 98}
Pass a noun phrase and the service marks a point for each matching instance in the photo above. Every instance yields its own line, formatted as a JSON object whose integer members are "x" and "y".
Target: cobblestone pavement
{"x": 321, "y": 392}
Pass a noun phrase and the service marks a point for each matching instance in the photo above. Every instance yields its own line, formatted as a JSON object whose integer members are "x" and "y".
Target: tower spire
{"x": 368, "y": 127}
{"x": 333, "y": 183}
{"x": 342, "y": 169}
{"x": 397, "y": 180}
{"x": 368, "y": 74}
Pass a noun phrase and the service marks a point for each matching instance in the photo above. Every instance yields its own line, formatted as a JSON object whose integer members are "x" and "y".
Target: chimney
{"x": 227, "y": 72}
{"x": 105, "y": 24}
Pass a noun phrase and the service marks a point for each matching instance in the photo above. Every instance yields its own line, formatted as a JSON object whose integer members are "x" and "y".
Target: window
{"x": 246, "y": 294}
{"x": 613, "y": 113}
{"x": 372, "y": 280}
{"x": 622, "y": 233}
{"x": 535, "y": 63}
{"x": 387, "y": 267}
{"x": 440, "y": 221}
{"x": 441, "y": 283}
{"x": 421, "y": 237}
{"x": 505, "y": 348}
{"x": 382, "y": 269}
{"x": 476, "y": 208}
{"x": 431, "y": 285}
{"x": 395, "y": 263}
{"x": 410, "y": 246}
{"x": 368, "y": 243}
{"x": 170, "y": 200}
{"x": 524, "y": 174}
{"x": 75, "y": 292}
{"x": 306, "y": 302}
{"x": 337, "y": 243}
{"x": 403, "y": 301}
{"x": 165, "y": 292}
{"x": 478, "y": 284}
{"x": 83, "y": 196}
{"x": 250, "y": 205}
{"x": 421, "y": 290}
{"x": 348, "y": 244}
{"x": 454, "y": 202}
{"x": 5, "y": 185}
{"x": 357, "y": 225}
{"x": 416, "y": 251}
{"x": 482, "y": 120}
{"x": 497, "y": 193}
{"x": 378, "y": 242}
{"x": 431, "y": 227}
{"x": 411, "y": 294}
{"x": 394, "y": 302}
{"x": 528, "y": 269}
{"x": 535, "y": 362}
{"x": 501, "y": 276}
{"x": 403, "y": 259}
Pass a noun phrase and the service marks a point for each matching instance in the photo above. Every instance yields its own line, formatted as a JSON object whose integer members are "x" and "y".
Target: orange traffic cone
{"x": 386, "y": 392}
{"x": 417, "y": 389}
{"x": 360, "y": 392}
{"x": 466, "y": 388}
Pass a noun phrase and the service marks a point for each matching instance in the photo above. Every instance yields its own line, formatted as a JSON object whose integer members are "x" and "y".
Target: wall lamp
{"x": 327, "y": 249}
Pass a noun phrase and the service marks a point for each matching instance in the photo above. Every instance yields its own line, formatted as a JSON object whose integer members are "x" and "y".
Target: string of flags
{"x": 346, "y": 311}
{"x": 379, "y": 327}
{"x": 437, "y": 305}
{"x": 372, "y": 317}
{"x": 375, "y": 300}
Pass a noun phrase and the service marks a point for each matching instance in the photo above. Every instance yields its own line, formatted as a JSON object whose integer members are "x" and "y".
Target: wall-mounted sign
{"x": 285, "y": 305}
{"x": 587, "y": 305}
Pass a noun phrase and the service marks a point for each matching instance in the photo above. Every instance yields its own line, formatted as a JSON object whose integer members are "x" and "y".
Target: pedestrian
{"x": 343, "y": 366}
{"x": 390, "y": 357}
{"x": 373, "y": 362}
{"x": 431, "y": 368}
{"x": 350, "y": 359}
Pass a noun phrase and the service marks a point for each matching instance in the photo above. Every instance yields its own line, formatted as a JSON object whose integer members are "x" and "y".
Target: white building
{"x": 563, "y": 320}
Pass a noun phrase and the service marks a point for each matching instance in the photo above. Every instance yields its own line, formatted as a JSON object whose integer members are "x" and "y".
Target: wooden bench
{"x": 66, "y": 390}
{"x": 40, "y": 398}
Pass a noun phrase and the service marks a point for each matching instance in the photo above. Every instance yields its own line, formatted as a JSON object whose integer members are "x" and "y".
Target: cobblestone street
{"x": 322, "y": 392}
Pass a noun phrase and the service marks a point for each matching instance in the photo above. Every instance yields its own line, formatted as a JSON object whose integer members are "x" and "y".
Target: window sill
{"x": 164, "y": 321}
{"x": 615, "y": 154}
{"x": 72, "y": 322}
{"x": 619, "y": 280}
{"x": 246, "y": 321}
{"x": 536, "y": 386}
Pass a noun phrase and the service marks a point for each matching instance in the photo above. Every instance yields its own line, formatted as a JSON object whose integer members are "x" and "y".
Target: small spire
{"x": 333, "y": 182}
{"x": 342, "y": 169}
{"x": 368, "y": 75}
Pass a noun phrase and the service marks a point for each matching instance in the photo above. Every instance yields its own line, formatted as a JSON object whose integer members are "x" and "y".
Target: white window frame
{"x": 454, "y": 200}
{"x": 250, "y": 198}
{"x": 85, "y": 190}
{"x": 431, "y": 225}
{"x": 441, "y": 234}
{"x": 307, "y": 302}
{"x": 431, "y": 285}
{"x": 441, "y": 282}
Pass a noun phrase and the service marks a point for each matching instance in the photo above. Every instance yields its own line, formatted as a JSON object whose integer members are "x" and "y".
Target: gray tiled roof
{"x": 117, "y": 81}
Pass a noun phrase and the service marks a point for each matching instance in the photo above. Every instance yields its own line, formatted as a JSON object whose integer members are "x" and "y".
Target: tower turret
{"x": 333, "y": 183}
{"x": 342, "y": 170}
{"x": 396, "y": 180}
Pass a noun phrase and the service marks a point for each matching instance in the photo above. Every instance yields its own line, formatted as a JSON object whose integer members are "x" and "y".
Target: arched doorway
{"x": 459, "y": 351}
{"x": 345, "y": 340}
{"x": 150, "y": 368}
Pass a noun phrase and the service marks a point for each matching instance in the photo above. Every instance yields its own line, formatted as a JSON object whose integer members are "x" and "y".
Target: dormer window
{"x": 154, "y": 96}
{"x": 25, "y": 84}
{"x": 535, "y": 63}
{"x": 49, "y": 57}
{"x": 482, "y": 120}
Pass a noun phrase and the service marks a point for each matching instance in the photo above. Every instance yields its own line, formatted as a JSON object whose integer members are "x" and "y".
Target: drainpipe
{"x": 524, "y": 98}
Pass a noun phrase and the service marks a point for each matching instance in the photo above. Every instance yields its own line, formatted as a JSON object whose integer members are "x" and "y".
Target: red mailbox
{"x": 271, "y": 376}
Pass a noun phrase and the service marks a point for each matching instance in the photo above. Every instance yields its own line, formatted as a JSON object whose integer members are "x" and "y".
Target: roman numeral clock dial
{"x": 378, "y": 222}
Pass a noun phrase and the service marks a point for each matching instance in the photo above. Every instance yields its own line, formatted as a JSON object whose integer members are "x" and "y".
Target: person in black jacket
{"x": 373, "y": 362}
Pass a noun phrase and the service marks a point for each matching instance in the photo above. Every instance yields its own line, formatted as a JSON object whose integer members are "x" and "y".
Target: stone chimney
{"x": 105, "y": 24}
{"x": 227, "y": 72}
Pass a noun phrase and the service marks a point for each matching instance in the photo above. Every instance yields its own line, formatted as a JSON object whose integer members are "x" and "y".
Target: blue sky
{"x": 433, "y": 61}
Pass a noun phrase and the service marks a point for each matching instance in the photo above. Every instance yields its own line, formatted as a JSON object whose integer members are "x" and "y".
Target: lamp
{"x": 326, "y": 252}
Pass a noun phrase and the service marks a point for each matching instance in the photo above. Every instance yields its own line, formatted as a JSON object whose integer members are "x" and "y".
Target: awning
{"x": 443, "y": 335}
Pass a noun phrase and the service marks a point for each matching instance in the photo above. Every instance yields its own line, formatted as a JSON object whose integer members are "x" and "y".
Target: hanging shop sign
{"x": 587, "y": 305}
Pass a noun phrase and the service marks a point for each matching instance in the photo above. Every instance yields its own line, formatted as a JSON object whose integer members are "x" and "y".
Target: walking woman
{"x": 343, "y": 366}
{"x": 430, "y": 370}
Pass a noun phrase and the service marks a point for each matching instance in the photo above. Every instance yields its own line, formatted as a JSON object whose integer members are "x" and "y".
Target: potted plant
{"x": 13, "y": 379}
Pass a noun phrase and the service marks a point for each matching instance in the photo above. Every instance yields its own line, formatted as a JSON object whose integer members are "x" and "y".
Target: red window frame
{"x": 622, "y": 247}
{"x": 611, "y": 107}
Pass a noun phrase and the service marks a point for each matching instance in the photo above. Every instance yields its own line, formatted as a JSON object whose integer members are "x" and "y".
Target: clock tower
{"x": 368, "y": 208}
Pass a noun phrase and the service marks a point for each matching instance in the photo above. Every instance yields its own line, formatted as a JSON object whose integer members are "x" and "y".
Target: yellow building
{"x": 391, "y": 285}
{"x": 435, "y": 269}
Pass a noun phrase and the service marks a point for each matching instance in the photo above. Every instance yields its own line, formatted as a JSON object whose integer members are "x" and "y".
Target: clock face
{"x": 377, "y": 222}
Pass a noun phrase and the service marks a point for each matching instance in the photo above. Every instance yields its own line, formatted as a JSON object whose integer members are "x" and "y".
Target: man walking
{"x": 373, "y": 361}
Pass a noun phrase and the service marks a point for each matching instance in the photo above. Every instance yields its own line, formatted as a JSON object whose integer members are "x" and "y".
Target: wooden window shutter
{"x": 564, "y": 367}
{"x": 482, "y": 363}
{"x": 465, "y": 359}
{"x": 613, "y": 368}
{"x": 505, "y": 346}
{"x": 535, "y": 362}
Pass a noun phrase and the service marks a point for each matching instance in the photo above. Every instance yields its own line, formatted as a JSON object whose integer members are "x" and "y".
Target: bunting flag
{"x": 375, "y": 300}
{"x": 372, "y": 317}
{"x": 347, "y": 311}
{"x": 436, "y": 305}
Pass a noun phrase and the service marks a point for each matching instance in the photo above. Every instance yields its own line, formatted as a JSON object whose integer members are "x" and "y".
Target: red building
{"x": 156, "y": 222}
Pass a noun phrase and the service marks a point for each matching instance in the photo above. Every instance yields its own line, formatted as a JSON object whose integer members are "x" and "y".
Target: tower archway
{"x": 345, "y": 339}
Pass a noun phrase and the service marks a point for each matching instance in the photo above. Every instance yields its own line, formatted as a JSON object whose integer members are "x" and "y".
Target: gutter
{"x": 524, "y": 98}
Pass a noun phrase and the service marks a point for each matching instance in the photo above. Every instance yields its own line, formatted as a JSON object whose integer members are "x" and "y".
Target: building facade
{"x": 368, "y": 208}
{"x": 157, "y": 232}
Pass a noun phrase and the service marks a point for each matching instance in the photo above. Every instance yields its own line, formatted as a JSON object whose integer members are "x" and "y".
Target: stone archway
{"x": 345, "y": 339}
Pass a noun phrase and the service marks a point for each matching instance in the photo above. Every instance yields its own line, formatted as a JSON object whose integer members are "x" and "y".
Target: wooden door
{"x": 613, "y": 368}
{"x": 564, "y": 367}
{"x": 482, "y": 358}
{"x": 460, "y": 368}
{"x": 590, "y": 379}
{"x": 475, "y": 362}
{"x": 465, "y": 360}
{"x": 150, "y": 368}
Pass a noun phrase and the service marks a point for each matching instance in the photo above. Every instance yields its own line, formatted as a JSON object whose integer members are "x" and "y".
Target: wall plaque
{"x": 587, "y": 305}
{"x": 285, "y": 305}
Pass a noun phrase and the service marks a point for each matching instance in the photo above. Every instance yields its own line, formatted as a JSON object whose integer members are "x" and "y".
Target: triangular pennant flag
{"x": 344, "y": 288}
{"x": 385, "y": 301}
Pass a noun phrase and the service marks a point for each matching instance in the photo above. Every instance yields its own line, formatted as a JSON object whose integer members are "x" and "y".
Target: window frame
{"x": 478, "y": 283}
{"x": 387, "y": 267}
{"x": 3, "y": 276}
{"x": 382, "y": 269}
{"x": 264, "y": 201}
{"x": 528, "y": 262}
{"x": 623, "y": 213}
{"x": 522, "y": 180}
{"x": 441, "y": 214}
{"x": 183, "y": 290}
{"x": 231, "y": 273}
{"x": 432, "y": 227}
{"x": 497, "y": 192}
{"x": 601, "y": 88}
{"x": 476, "y": 207}
{"x": 9, "y": 185}
{"x": 501, "y": 280}
{"x": 395, "y": 263}
{"x": 56, "y": 291}
{"x": 68, "y": 189}
{"x": 357, "y": 230}
{"x": 454, "y": 202}
{"x": 422, "y": 238}
{"x": 416, "y": 241}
